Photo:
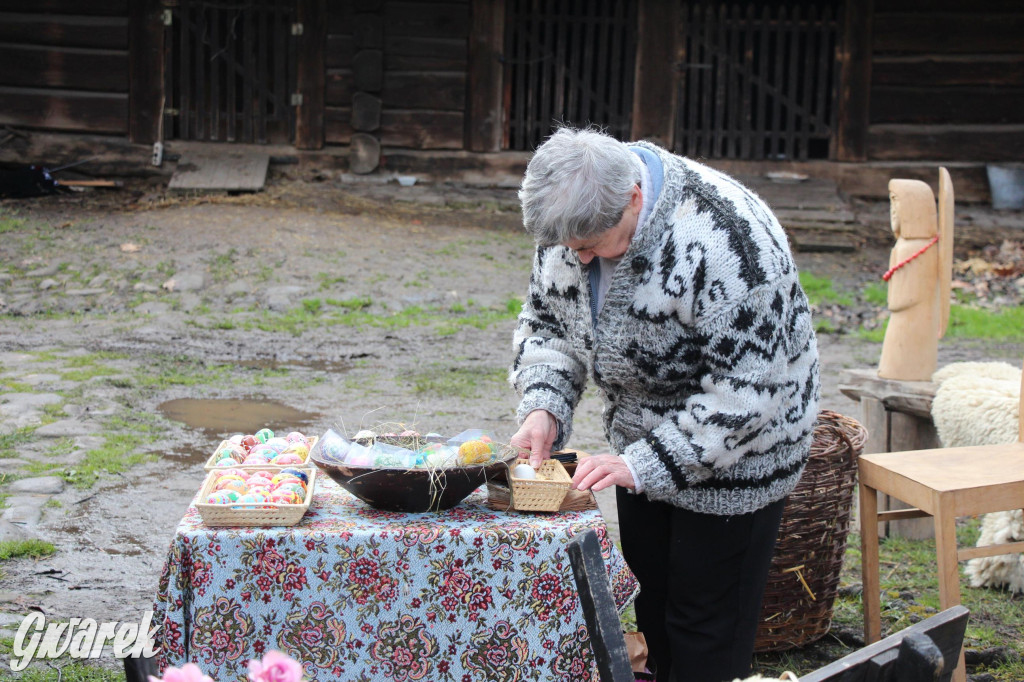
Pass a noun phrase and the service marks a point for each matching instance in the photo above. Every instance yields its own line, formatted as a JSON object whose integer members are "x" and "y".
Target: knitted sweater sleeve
{"x": 757, "y": 397}
{"x": 547, "y": 372}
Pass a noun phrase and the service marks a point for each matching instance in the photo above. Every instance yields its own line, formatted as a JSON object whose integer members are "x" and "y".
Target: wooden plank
{"x": 910, "y": 397}
{"x": 339, "y": 17}
{"x": 368, "y": 70}
{"x": 944, "y": 70}
{"x": 439, "y": 54}
{"x": 261, "y": 73}
{"x": 310, "y": 73}
{"x": 64, "y": 67}
{"x": 184, "y": 19}
{"x": 910, "y": 432}
{"x": 895, "y": 142}
{"x": 421, "y": 129}
{"x": 964, "y": 105}
{"x": 366, "y": 110}
{"x": 427, "y": 19}
{"x": 948, "y": 33}
{"x": 118, "y": 8}
{"x": 338, "y": 88}
{"x": 853, "y": 116}
{"x": 222, "y": 169}
{"x": 761, "y": 132}
{"x": 791, "y": 87}
{"x": 747, "y": 85}
{"x": 484, "y": 84}
{"x": 146, "y": 72}
{"x": 66, "y": 31}
{"x": 367, "y": 30}
{"x": 338, "y": 125}
{"x": 437, "y": 90}
{"x": 96, "y": 112}
{"x": 340, "y": 50}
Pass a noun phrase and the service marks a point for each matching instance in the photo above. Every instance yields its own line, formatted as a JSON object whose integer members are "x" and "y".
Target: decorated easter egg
{"x": 286, "y": 497}
{"x": 237, "y": 486}
{"x": 218, "y": 497}
{"x": 297, "y": 473}
{"x": 278, "y": 444}
{"x": 288, "y": 458}
{"x": 280, "y": 478}
{"x": 263, "y": 450}
{"x": 295, "y": 486}
{"x": 300, "y": 449}
{"x": 241, "y": 473}
{"x": 474, "y": 452}
{"x": 252, "y": 497}
{"x": 226, "y": 462}
{"x": 237, "y": 438}
{"x": 224, "y": 479}
{"x": 249, "y": 441}
{"x": 296, "y": 437}
{"x": 256, "y": 460}
{"x": 256, "y": 480}
{"x": 263, "y": 435}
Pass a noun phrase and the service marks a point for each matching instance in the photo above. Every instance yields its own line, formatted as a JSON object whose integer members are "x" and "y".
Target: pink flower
{"x": 275, "y": 667}
{"x": 189, "y": 672}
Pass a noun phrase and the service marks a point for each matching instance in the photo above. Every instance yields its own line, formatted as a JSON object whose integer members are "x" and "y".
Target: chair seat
{"x": 980, "y": 478}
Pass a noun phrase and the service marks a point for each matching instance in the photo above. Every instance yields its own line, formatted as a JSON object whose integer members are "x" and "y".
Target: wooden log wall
{"x": 947, "y": 81}
{"x": 422, "y": 97}
{"x": 65, "y": 65}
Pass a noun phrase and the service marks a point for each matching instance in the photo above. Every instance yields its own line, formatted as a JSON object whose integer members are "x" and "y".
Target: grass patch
{"x": 9, "y": 222}
{"x": 25, "y": 549}
{"x": 966, "y": 322}
{"x": 821, "y": 291}
{"x": 10, "y": 442}
{"x": 119, "y": 452}
{"x": 453, "y": 381}
{"x": 876, "y": 293}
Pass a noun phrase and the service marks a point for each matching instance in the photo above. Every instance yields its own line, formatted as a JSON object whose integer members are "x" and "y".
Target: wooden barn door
{"x": 229, "y": 72}
{"x": 757, "y": 81}
{"x": 567, "y": 61}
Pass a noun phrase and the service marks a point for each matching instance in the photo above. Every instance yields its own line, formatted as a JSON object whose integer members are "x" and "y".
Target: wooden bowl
{"x": 411, "y": 490}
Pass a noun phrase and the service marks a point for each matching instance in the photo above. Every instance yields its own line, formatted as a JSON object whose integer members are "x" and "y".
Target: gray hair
{"x": 577, "y": 185}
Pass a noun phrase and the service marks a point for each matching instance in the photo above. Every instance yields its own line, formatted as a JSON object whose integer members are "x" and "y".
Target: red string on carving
{"x": 889, "y": 273}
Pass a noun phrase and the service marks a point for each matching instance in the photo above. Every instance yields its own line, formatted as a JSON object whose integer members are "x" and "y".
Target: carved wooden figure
{"x": 919, "y": 276}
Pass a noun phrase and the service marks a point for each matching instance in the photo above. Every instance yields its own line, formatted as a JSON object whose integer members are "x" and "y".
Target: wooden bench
{"x": 928, "y": 650}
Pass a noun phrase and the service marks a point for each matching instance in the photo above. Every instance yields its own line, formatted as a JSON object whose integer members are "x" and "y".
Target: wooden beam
{"x": 854, "y": 82}
{"x": 654, "y": 86}
{"x": 485, "y": 76}
{"x": 311, "y": 75}
{"x": 145, "y": 72}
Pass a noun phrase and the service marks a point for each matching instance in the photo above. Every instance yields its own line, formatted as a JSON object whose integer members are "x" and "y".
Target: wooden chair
{"x": 942, "y": 483}
{"x": 595, "y": 592}
{"x": 926, "y": 651}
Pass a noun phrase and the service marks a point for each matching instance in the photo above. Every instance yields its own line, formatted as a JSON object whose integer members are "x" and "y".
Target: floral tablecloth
{"x": 360, "y": 594}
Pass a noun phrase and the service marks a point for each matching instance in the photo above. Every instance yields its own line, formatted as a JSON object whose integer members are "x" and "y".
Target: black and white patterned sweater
{"x": 704, "y": 352}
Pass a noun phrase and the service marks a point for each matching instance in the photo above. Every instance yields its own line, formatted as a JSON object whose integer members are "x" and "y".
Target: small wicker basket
{"x": 804, "y": 575}
{"x": 211, "y": 463}
{"x": 248, "y": 514}
{"x": 530, "y": 494}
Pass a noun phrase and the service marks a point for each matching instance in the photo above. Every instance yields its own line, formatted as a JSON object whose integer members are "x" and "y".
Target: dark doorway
{"x": 230, "y": 71}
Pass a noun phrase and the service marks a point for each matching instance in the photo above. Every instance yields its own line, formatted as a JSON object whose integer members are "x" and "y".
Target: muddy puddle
{"x": 220, "y": 418}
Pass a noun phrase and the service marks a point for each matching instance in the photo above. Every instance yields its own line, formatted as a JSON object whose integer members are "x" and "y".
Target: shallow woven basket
{"x": 804, "y": 576}
{"x": 533, "y": 495}
{"x": 252, "y": 514}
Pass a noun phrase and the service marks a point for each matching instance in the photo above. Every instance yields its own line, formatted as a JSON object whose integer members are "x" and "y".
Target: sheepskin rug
{"x": 978, "y": 403}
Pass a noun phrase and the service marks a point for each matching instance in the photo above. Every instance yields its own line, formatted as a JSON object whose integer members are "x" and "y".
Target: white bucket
{"x": 1006, "y": 182}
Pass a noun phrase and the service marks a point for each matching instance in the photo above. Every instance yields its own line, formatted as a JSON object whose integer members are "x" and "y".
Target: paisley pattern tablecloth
{"x": 360, "y": 594}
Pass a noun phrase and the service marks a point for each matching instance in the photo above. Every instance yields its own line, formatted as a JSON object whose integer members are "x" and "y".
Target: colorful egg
{"x": 263, "y": 435}
{"x": 218, "y": 497}
{"x": 282, "y": 478}
{"x": 256, "y": 480}
{"x": 237, "y": 438}
{"x": 296, "y": 437}
{"x": 252, "y": 497}
{"x": 295, "y": 487}
{"x": 278, "y": 444}
{"x": 239, "y": 487}
{"x": 474, "y": 452}
{"x": 257, "y": 460}
{"x": 297, "y": 473}
{"x": 250, "y": 441}
{"x": 288, "y": 458}
{"x": 227, "y": 462}
{"x": 300, "y": 449}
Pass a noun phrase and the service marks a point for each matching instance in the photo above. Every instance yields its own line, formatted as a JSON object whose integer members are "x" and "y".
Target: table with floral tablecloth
{"x": 356, "y": 593}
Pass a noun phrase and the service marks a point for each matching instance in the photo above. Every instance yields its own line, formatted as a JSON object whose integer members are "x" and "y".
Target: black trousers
{"x": 701, "y": 577}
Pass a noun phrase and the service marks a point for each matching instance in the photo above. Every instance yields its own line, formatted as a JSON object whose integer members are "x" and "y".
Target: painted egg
{"x": 474, "y": 452}
{"x": 296, "y": 437}
{"x": 280, "y": 478}
{"x": 300, "y": 449}
{"x": 252, "y": 497}
{"x": 297, "y": 473}
{"x": 223, "y": 478}
{"x": 241, "y": 473}
{"x": 278, "y": 444}
{"x": 287, "y": 497}
{"x": 218, "y": 497}
{"x": 263, "y": 435}
{"x": 295, "y": 487}
{"x": 237, "y": 438}
{"x": 250, "y": 441}
{"x": 239, "y": 487}
{"x": 256, "y": 459}
{"x": 227, "y": 462}
{"x": 288, "y": 458}
{"x": 256, "y": 480}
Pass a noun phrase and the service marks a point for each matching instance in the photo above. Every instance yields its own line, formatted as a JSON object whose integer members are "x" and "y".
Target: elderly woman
{"x": 673, "y": 288}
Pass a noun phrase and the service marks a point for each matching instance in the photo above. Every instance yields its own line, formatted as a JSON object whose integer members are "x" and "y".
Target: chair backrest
{"x": 598, "y": 604}
{"x": 928, "y": 650}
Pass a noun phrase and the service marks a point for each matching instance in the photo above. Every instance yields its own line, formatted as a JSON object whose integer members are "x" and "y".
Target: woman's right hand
{"x": 537, "y": 434}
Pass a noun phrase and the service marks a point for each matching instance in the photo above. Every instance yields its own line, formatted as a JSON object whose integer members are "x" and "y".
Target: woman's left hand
{"x": 597, "y": 472}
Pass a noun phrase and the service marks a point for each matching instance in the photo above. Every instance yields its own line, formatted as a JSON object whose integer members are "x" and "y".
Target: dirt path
{"x": 348, "y": 309}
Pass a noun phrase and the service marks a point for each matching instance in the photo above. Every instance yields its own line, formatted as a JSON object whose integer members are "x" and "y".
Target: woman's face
{"x": 613, "y": 242}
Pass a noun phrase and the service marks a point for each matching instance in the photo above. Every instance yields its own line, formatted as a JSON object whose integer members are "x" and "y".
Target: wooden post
{"x": 145, "y": 71}
{"x": 654, "y": 87}
{"x": 853, "y": 116}
{"x": 485, "y": 78}
{"x": 311, "y": 73}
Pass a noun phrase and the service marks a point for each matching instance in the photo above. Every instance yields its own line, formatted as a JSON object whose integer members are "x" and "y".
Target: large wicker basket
{"x": 804, "y": 576}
